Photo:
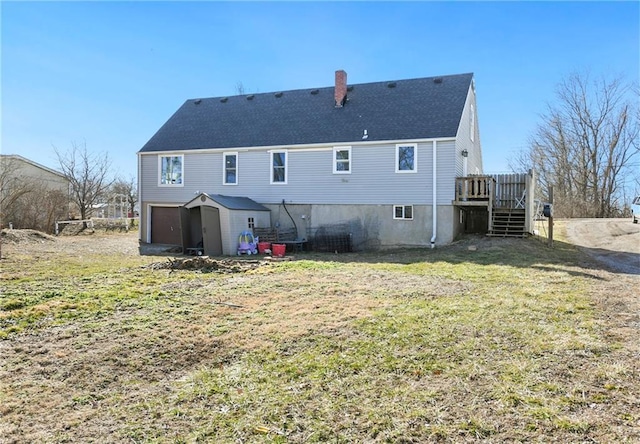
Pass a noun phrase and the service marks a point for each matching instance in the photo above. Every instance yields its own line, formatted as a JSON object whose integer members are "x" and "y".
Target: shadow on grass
{"x": 522, "y": 253}
{"x": 515, "y": 252}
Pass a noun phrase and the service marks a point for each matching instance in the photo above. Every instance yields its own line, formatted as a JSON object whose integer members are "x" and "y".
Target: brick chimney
{"x": 341, "y": 88}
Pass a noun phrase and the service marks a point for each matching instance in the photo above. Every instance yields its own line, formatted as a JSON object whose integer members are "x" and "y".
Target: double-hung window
{"x": 230, "y": 169}
{"x": 278, "y": 167}
{"x": 406, "y": 158}
{"x": 342, "y": 160}
{"x": 171, "y": 170}
{"x": 403, "y": 212}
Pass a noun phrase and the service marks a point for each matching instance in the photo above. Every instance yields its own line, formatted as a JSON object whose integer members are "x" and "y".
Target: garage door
{"x": 165, "y": 225}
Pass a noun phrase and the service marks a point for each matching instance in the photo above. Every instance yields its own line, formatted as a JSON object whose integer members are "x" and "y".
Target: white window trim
{"x": 286, "y": 166}
{"x": 335, "y": 161}
{"x": 224, "y": 167}
{"x": 415, "y": 158}
{"x": 403, "y": 211}
{"x": 160, "y": 184}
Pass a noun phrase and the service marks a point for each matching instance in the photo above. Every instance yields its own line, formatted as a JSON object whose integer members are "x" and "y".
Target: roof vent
{"x": 350, "y": 88}
{"x": 278, "y": 94}
{"x": 391, "y": 85}
{"x": 224, "y": 99}
{"x": 197, "y": 101}
{"x": 437, "y": 80}
{"x": 250, "y": 97}
{"x": 315, "y": 91}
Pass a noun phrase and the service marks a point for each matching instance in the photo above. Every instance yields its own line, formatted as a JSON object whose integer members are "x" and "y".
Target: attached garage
{"x": 165, "y": 225}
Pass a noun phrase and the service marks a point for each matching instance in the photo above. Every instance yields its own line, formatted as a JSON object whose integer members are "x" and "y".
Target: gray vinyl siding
{"x": 446, "y": 172}
{"x": 310, "y": 178}
{"x": 464, "y": 141}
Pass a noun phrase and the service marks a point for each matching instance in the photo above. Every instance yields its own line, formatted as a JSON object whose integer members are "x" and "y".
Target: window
{"x": 406, "y": 159}
{"x": 403, "y": 212}
{"x": 342, "y": 160}
{"x": 251, "y": 223}
{"x": 230, "y": 169}
{"x": 279, "y": 167}
{"x": 472, "y": 124}
{"x": 171, "y": 170}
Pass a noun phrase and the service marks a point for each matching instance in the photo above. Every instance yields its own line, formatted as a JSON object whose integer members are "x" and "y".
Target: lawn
{"x": 485, "y": 340}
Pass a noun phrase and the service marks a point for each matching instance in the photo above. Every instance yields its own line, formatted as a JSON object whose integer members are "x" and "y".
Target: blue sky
{"x": 111, "y": 73}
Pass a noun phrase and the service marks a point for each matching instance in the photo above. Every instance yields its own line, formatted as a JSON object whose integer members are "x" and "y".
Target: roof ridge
{"x": 193, "y": 99}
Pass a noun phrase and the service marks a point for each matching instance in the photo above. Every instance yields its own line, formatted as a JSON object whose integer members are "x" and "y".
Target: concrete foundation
{"x": 371, "y": 226}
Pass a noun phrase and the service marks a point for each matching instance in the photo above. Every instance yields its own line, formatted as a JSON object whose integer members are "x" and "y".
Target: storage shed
{"x": 214, "y": 222}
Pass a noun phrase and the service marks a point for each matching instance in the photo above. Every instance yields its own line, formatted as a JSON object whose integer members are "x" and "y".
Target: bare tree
{"x": 129, "y": 189}
{"x": 12, "y": 187}
{"x": 41, "y": 208}
{"x": 88, "y": 175}
{"x": 585, "y": 145}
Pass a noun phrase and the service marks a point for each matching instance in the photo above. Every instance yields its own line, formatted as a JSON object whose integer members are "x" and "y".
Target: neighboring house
{"x": 22, "y": 169}
{"x": 379, "y": 160}
{"x": 31, "y": 195}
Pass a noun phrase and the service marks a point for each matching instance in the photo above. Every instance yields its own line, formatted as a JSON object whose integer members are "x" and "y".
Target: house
{"x": 22, "y": 169}
{"x": 31, "y": 195}
{"x": 379, "y": 162}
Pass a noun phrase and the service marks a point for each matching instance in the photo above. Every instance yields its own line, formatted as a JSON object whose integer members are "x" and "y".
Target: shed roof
{"x": 232, "y": 202}
{"x": 422, "y": 108}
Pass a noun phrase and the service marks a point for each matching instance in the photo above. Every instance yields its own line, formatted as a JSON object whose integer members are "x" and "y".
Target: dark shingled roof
{"x": 404, "y": 109}
{"x": 237, "y": 203}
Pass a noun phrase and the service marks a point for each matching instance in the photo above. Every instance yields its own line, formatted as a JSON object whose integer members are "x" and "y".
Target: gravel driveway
{"x": 613, "y": 242}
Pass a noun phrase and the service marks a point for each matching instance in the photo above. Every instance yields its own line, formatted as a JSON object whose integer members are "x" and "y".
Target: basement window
{"x": 342, "y": 160}
{"x": 278, "y": 167}
{"x": 406, "y": 158}
{"x": 404, "y": 212}
{"x": 171, "y": 170}
{"x": 230, "y": 169}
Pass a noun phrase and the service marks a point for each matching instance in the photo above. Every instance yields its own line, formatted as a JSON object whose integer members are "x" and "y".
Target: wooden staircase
{"x": 506, "y": 222}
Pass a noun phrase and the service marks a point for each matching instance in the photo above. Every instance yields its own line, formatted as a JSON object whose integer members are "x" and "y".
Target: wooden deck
{"x": 501, "y": 194}
{"x": 474, "y": 191}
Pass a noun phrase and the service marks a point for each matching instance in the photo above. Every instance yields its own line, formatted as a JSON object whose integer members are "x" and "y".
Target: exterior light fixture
{"x": 465, "y": 153}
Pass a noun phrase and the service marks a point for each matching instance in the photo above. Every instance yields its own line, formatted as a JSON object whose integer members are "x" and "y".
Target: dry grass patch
{"x": 510, "y": 342}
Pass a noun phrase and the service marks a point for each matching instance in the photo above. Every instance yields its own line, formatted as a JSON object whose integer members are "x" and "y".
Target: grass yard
{"x": 482, "y": 341}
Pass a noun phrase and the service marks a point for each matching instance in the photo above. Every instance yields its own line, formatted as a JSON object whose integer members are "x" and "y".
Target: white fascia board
{"x": 301, "y": 147}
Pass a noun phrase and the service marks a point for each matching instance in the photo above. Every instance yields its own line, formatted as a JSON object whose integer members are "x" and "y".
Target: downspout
{"x": 434, "y": 208}
{"x": 140, "y": 209}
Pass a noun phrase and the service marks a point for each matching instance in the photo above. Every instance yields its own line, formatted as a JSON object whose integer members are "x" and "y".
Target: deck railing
{"x": 511, "y": 190}
{"x": 501, "y": 191}
{"x": 475, "y": 188}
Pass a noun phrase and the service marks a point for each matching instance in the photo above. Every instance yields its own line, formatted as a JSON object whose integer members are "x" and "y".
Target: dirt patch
{"x": 183, "y": 356}
{"x": 25, "y": 237}
{"x": 39, "y": 243}
{"x": 206, "y": 264}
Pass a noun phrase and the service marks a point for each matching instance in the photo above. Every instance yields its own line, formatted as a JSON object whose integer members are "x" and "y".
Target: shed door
{"x": 165, "y": 225}
{"x": 211, "y": 236}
